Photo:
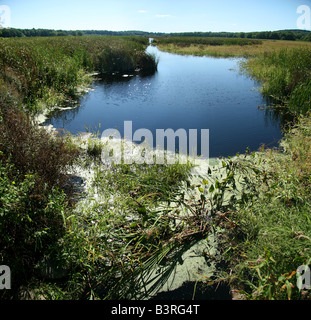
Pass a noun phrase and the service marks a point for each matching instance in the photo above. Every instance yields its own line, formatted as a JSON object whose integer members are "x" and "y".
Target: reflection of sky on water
{"x": 187, "y": 92}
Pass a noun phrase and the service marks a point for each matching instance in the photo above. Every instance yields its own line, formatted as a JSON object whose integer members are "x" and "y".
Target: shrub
{"x": 33, "y": 151}
{"x": 33, "y": 169}
{"x": 30, "y": 224}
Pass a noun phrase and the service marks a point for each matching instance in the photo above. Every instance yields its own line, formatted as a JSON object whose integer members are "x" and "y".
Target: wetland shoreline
{"x": 130, "y": 223}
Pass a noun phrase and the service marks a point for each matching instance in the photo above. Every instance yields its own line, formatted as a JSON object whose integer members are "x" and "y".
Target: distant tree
{"x": 287, "y": 36}
{"x": 275, "y": 36}
{"x": 7, "y": 33}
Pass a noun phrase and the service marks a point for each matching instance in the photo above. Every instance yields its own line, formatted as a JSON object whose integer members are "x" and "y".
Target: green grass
{"x": 42, "y": 72}
{"x": 271, "y": 238}
{"x": 266, "y": 237}
{"x": 104, "y": 243}
{"x": 285, "y": 76}
{"x": 187, "y": 41}
{"x": 271, "y": 234}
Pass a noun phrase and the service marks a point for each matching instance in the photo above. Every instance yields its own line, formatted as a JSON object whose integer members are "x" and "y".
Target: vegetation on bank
{"x": 187, "y": 41}
{"x": 268, "y": 234}
{"x": 272, "y": 234}
{"x": 226, "y": 47}
{"x": 285, "y": 76}
{"x": 63, "y": 244}
{"x": 298, "y": 35}
{"x": 44, "y": 72}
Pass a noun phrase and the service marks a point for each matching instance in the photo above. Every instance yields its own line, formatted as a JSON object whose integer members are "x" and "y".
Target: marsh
{"x": 186, "y": 92}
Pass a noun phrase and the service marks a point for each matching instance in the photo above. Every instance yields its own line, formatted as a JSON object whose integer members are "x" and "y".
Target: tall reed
{"x": 285, "y": 76}
{"x": 49, "y": 71}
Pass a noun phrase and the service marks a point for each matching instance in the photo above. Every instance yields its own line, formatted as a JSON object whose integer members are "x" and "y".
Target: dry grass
{"x": 234, "y": 50}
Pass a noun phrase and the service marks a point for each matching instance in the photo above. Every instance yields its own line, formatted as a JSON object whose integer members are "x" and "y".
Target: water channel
{"x": 186, "y": 92}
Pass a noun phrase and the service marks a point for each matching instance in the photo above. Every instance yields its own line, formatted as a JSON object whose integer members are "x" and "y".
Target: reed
{"x": 127, "y": 226}
{"x": 233, "y": 50}
{"x": 187, "y": 41}
{"x": 285, "y": 76}
{"x": 271, "y": 237}
{"x": 267, "y": 233}
{"x": 49, "y": 71}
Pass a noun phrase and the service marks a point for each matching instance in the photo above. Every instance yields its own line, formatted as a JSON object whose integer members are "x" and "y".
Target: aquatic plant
{"x": 42, "y": 72}
{"x": 187, "y": 41}
{"x": 285, "y": 76}
{"x": 231, "y": 50}
{"x": 33, "y": 178}
{"x": 131, "y": 221}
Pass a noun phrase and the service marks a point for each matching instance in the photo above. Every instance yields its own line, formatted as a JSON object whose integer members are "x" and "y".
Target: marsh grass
{"x": 129, "y": 222}
{"x": 118, "y": 232}
{"x": 267, "y": 235}
{"x": 207, "y": 41}
{"x": 233, "y": 50}
{"x": 285, "y": 76}
{"x": 272, "y": 237}
{"x": 49, "y": 71}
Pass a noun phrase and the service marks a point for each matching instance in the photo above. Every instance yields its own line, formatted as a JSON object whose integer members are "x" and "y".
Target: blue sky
{"x": 156, "y": 15}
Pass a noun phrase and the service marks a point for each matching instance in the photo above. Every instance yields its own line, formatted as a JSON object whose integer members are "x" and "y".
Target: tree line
{"x": 301, "y": 35}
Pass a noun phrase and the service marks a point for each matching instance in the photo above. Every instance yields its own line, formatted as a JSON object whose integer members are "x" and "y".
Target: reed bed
{"x": 100, "y": 245}
{"x": 248, "y": 50}
{"x": 37, "y": 195}
{"x": 187, "y": 41}
{"x": 43, "y": 72}
{"x": 268, "y": 234}
{"x": 285, "y": 76}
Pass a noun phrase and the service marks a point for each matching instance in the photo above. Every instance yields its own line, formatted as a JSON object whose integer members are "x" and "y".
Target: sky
{"x": 154, "y": 15}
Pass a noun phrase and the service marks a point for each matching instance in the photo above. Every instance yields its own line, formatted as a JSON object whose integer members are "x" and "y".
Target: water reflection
{"x": 187, "y": 92}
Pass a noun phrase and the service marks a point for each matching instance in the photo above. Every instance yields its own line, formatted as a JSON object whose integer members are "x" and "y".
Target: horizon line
{"x": 134, "y": 30}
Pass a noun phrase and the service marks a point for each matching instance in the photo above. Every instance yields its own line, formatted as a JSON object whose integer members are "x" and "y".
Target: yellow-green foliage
{"x": 272, "y": 236}
{"x": 52, "y": 69}
{"x": 285, "y": 76}
{"x": 232, "y": 50}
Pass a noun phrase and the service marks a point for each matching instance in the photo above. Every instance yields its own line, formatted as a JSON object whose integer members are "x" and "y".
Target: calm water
{"x": 187, "y": 92}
